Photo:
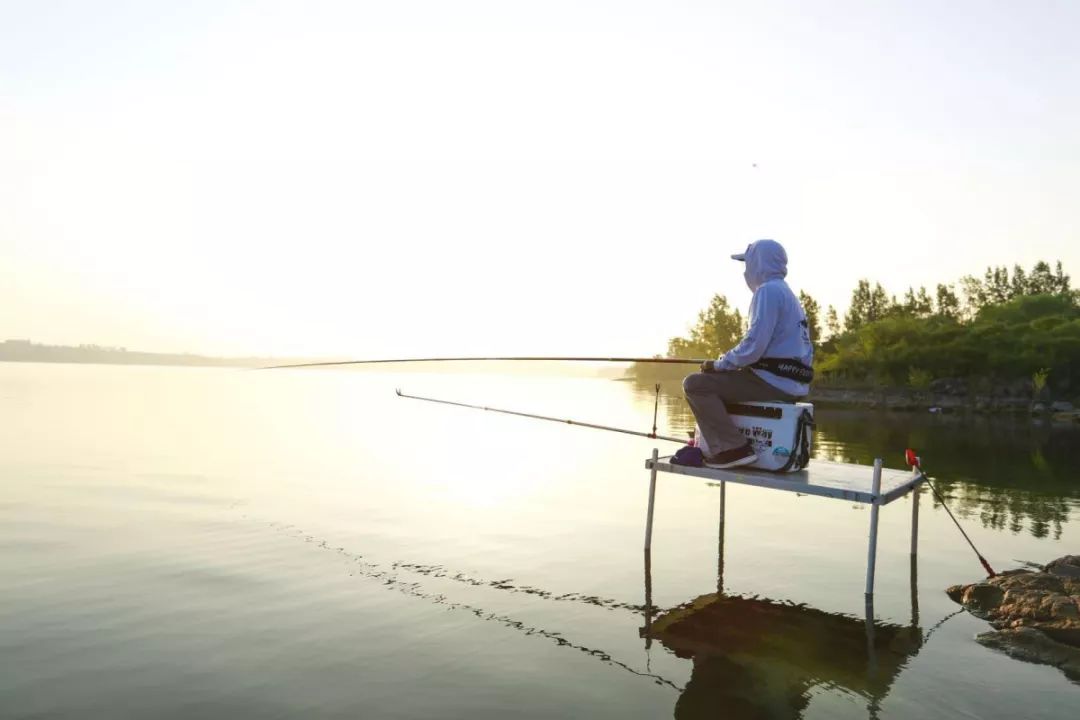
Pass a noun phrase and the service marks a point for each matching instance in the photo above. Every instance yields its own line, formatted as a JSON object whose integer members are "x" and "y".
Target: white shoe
{"x": 735, "y": 457}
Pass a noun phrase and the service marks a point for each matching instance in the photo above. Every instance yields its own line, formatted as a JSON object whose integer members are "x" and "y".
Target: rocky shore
{"x": 1035, "y": 614}
{"x": 948, "y": 395}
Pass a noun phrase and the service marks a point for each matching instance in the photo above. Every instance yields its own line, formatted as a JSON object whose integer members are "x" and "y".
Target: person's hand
{"x": 708, "y": 367}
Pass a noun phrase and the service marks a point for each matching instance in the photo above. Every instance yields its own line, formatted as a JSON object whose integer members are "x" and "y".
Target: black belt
{"x": 788, "y": 368}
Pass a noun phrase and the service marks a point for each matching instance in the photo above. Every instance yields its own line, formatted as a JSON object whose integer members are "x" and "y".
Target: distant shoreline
{"x": 27, "y": 351}
{"x": 210, "y": 362}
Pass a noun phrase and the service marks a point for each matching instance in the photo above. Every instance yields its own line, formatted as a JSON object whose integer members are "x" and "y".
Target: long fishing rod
{"x": 670, "y": 361}
{"x": 651, "y": 435}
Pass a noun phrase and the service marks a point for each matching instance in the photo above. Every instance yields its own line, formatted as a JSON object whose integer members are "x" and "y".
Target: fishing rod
{"x": 651, "y": 435}
{"x": 914, "y": 461}
{"x": 670, "y": 361}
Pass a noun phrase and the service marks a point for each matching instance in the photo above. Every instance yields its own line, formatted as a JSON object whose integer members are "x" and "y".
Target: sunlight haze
{"x": 392, "y": 179}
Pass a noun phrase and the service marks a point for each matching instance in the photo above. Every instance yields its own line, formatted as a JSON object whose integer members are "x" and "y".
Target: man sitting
{"x": 772, "y": 362}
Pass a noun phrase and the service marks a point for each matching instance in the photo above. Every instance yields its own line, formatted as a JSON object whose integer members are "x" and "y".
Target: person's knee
{"x": 693, "y": 383}
{"x": 715, "y": 383}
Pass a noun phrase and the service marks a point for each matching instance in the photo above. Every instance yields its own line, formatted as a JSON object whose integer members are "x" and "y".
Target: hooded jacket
{"x": 778, "y": 327}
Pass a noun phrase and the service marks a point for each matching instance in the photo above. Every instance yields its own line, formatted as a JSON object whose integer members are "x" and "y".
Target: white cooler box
{"x": 781, "y": 433}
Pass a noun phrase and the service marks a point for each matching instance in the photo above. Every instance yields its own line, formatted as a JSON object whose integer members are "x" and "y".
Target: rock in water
{"x": 1068, "y": 566}
{"x": 1030, "y": 645}
{"x": 956, "y": 593}
{"x": 982, "y": 598}
{"x": 1036, "y": 615}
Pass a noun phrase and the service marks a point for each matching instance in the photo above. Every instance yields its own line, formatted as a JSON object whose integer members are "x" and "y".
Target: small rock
{"x": 1037, "y": 614}
{"x": 1068, "y": 566}
{"x": 1064, "y": 608}
{"x": 982, "y": 598}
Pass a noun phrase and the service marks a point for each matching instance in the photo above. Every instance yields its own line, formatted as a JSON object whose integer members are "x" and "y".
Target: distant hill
{"x": 27, "y": 351}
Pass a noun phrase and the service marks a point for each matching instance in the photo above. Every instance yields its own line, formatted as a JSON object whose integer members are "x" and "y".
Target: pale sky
{"x": 374, "y": 179}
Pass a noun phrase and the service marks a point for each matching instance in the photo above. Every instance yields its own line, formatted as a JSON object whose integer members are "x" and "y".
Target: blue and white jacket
{"x": 778, "y": 327}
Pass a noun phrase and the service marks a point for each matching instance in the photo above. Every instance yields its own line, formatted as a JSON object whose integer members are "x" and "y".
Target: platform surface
{"x": 821, "y": 478}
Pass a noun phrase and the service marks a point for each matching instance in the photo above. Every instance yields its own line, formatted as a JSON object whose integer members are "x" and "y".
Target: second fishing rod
{"x": 595, "y": 426}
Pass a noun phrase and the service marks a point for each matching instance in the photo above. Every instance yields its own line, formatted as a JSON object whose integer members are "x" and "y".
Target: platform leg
{"x": 914, "y": 591}
{"x": 873, "y": 707}
{"x": 915, "y": 557}
{"x": 869, "y": 615}
{"x": 871, "y": 556}
{"x": 720, "y": 540}
{"x": 915, "y": 521}
{"x": 652, "y": 500}
{"x": 647, "y": 630}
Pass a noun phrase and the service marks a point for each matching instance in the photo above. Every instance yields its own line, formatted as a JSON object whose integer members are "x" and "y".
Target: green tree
{"x": 1042, "y": 280}
{"x": 1009, "y": 340}
{"x": 860, "y": 300}
{"x": 880, "y": 303}
{"x": 1061, "y": 281}
{"x": 924, "y": 305}
{"x": 867, "y": 305}
{"x": 813, "y": 315}
{"x": 916, "y": 304}
{"x": 1019, "y": 282}
{"x": 832, "y": 323}
{"x": 948, "y": 304}
{"x": 1009, "y": 326}
{"x": 998, "y": 287}
{"x": 718, "y": 329}
{"x": 975, "y": 295}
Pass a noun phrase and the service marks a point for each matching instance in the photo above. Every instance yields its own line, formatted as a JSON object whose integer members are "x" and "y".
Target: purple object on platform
{"x": 690, "y": 456}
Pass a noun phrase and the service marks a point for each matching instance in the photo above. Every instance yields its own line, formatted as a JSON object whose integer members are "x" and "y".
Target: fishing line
{"x": 373, "y": 571}
{"x": 942, "y": 621}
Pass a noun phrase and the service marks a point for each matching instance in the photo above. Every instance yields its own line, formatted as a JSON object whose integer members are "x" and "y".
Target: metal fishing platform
{"x": 871, "y": 485}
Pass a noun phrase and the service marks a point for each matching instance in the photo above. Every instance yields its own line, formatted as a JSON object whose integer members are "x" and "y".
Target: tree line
{"x": 996, "y": 287}
{"x": 1003, "y": 325}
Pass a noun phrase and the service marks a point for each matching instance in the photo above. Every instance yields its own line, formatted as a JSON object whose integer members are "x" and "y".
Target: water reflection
{"x": 1010, "y": 474}
{"x": 751, "y": 657}
{"x": 755, "y": 658}
{"x": 758, "y": 658}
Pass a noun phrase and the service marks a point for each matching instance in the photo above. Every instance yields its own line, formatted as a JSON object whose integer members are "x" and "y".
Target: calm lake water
{"x": 207, "y": 543}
